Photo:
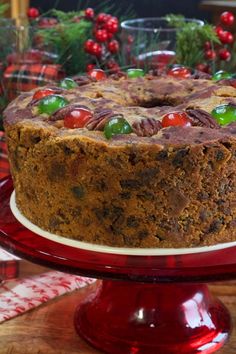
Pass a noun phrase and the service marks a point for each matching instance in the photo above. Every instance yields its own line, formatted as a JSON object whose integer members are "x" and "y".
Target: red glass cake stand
{"x": 145, "y": 303}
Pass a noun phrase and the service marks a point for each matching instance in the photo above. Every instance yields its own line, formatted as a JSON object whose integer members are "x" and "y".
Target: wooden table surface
{"x": 49, "y": 329}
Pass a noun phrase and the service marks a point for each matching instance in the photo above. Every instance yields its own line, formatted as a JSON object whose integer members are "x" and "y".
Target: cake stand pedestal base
{"x": 130, "y": 318}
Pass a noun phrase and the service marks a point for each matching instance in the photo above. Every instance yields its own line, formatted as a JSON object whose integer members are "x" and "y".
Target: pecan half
{"x": 201, "y": 118}
{"x": 100, "y": 117}
{"x": 147, "y": 127}
{"x": 62, "y": 112}
{"x": 82, "y": 80}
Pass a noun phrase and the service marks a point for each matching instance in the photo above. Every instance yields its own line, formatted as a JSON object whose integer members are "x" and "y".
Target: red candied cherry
{"x": 33, "y": 12}
{"x": 89, "y": 13}
{"x": 97, "y": 74}
{"x": 227, "y": 18}
{"x": 77, "y": 118}
{"x": 179, "y": 72}
{"x": 113, "y": 46}
{"x": 90, "y": 67}
{"x": 226, "y": 37}
{"x": 88, "y": 45}
{"x": 38, "y": 95}
{"x": 224, "y": 54}
{"x": 101, "y": 35}
{"x": 112, "y": 25}
{"x": 210, "y": 54}
{"x": 176, "y": 119}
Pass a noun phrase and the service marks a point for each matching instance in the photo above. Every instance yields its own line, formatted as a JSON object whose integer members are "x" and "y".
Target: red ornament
{"x": 33, "y": 12}
{"x": 89, "y": 13}
{"x": 176, "y": 119}
{"x": 179, "y": 72}
{"x": 226, "y": 37}
{"x": 210, "y": 54}
{"x": 88, "y": 46}
{"x": 113, "y": 46}
{"x": 97, "y": 74}
{"x": 227, "y": 18}
{"x": 38, "y": 95}
{"x": 101, "y": 35}
{"x": 224, "y": 54}
{"x": 90, "y": 67}
{"x": 77, "y": 118}
{"x": 112, "y": 25}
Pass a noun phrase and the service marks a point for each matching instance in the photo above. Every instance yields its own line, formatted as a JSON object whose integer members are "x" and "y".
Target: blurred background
{"x": 142, "y": 8}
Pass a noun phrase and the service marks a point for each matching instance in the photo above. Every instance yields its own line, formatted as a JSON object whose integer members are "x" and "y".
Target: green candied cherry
{"x": 224, "y": 114}
{"x": 117, "y": 126}
{"x": 68, "y": 83}
{"x": 133, "y": 73}
{"x": 220, "y": 75}
{"x": 51, "y": 104}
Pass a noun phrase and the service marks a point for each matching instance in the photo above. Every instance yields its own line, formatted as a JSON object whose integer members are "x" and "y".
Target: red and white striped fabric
{"x": 20, "y": 295}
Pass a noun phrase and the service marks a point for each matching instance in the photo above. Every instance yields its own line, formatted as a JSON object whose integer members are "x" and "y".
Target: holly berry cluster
{"x": 223, "y": 51}
{"x": 103, "y": 45}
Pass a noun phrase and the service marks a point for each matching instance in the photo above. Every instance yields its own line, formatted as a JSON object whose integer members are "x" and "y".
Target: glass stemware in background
{"x": 149, "y": 43}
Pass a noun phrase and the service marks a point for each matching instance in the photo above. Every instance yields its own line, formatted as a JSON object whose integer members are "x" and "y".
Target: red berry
{"x": 203, "y": 67}
{"x": 47, "y": 22}
{"x": 112, "y": 25}
{"x": 101, "y": 18}
{"x": 33, "y": 12}
{"x": 130, "y": 39}
{"x": 38, "y": 95}
{"x": 179, "y": 72}
{"x": 110, "y": 35}
{"x": 207, "y": 45}
{"x": 176, "y": 119}
{"x": 97, "y": 74}
{"x": 226, "y": 37}
{"x": 210, "y": 54}
{"x": 219, "y": 30}
{"x": 77, "y": 118}
{"x": 113, "y": 46}
{"x": 224, "y": 54}
{"x": 113, "y": 66}
{"x": 89, "y": 13}
{"x": 227, "y": 18}
{"x": 90, "y": 67}
{"x": 88, "y": 46}
{"x": 101, "y": 35}
{"x": 96, "y": 49}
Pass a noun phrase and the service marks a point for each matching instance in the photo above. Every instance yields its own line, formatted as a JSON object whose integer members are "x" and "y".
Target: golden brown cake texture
{"x": 169, "y": 187}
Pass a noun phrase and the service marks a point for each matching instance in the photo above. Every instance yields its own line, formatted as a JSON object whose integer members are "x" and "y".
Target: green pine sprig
{"x": 190, "y": 39}
{"x": 3, "y": 9}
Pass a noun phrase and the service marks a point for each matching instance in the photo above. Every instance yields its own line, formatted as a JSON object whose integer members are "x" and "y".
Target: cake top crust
{"x": 142, "y": 102}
